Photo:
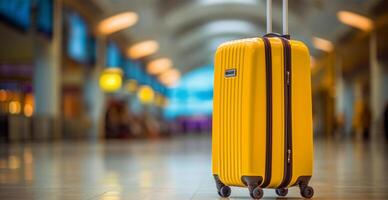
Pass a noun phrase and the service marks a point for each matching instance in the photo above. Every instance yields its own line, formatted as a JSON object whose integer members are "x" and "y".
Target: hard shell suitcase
{"x": 262, "y": 118}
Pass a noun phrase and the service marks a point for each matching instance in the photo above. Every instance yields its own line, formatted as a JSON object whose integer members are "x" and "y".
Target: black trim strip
{"x": 268, "y": 66}
{"x": 288, "y": 118}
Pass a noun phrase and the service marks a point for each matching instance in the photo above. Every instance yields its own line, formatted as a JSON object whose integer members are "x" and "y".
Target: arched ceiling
{"x": 189, "y": 30}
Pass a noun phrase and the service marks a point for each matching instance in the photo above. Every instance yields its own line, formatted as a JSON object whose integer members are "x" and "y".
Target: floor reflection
{"x": 172, "y": 169}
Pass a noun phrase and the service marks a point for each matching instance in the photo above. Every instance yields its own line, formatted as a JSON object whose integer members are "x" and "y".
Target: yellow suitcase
{"x": 262, "y": 119}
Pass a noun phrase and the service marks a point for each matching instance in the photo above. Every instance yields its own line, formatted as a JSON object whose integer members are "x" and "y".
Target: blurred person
{"x": 159, "y": 125}
{"x": 339, "y": 125}
{"x": 366, "y": 119}
{"x": 173, "y": 127}
{"x": 112, "y": 122}
{"x": 151, "y": 125}
{"x": 85, "y": 122}
{"x": 135, "y": 126}
{"x": 119, "y": 121}
{"x": 164, "y": 127}
{"x": 124, "y": 129}
{"x": 154, "y": 127}
{"x": 386, "y": 121}
{"x": 357, "y": 119}
{"x": 77, "y": 125}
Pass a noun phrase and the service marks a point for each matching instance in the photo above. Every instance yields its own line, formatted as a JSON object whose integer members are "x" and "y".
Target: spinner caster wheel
{"x": 225, "y": 191}
{"x": 307, "y": 192}
{"x": 282, "y": 192}
{"x": 257, "y": 193}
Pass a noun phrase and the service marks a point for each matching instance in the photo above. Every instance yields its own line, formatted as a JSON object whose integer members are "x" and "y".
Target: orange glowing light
{"x": 3, "y": 95}
{"x": 28, "y": 110}
{"x": 323, "y": 44}
{"x": 143, "y": 49}
{"x": 14, "y": 107}
{"x": 170, "y": 77}
{"x": 159, "y": 65}
{"x": 117, "y": 22}
{"x": 355, "y": 20}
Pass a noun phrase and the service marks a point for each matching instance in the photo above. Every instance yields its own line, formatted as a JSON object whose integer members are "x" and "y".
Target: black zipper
{"x": 288, "y": 119}
{"x": 268, "y": 66}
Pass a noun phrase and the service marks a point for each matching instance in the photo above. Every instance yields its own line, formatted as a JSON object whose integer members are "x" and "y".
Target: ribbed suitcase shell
{"x": 240, "y": 113}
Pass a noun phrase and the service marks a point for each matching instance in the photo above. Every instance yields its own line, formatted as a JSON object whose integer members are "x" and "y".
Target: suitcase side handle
{"x": 285, "y": 17}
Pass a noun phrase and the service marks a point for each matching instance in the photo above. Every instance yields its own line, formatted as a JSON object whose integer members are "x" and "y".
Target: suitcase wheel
{"x": 282, "y": 192}
{"x": 224, "y": 191}
{"x": 257, "y": 193}
{"x": 307, "y": 192}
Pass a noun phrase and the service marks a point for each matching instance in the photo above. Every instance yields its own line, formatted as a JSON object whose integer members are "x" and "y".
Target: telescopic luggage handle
{"x": 285, "y": 20}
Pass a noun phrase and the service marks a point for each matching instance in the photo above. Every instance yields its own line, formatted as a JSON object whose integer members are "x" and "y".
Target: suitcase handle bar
{"x": 285, "y": 17}
{"x": 269, "y": 35}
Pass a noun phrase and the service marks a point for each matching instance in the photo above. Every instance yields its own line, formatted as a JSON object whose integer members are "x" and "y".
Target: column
{"x": 339, "y": 95}
{"x": 348, "y": 105}
{"x": 94, "y": 96}
{"x": 46, "y": 80}
{"x": 344, "y": 98}
{"x": 378, "y": 88}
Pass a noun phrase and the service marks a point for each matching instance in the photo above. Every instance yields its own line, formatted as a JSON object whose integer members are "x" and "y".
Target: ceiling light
{"x": 322, "y": 44}
{"x": 355, "y": 20}
{"x": 159, "y": 65}
{"x": 117, "y": 22}
{"x": 111, "y": 79}
{"x": 170, "y": 77}
{"x": 143, "y": 49}
{"x": 146, "y": 94}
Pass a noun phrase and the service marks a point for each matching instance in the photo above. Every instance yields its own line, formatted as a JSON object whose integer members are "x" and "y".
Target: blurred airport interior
{"x": 141, "y": 70}
{"x": 132, "y": 69}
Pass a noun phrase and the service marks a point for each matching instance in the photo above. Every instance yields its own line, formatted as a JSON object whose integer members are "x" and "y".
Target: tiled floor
{"x": 172, "y": 169}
